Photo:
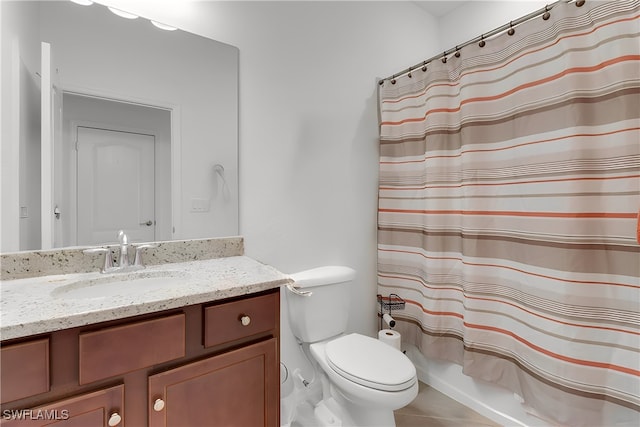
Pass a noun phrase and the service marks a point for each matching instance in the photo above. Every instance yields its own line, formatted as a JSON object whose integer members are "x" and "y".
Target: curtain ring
{"x": 409, "y": 73}
{"x": 511, "y": 30}
{"x": 444, "y": 57}
{"x": 546, "y": 14}
{"x": 424, "y": 66}
{"x": 482, "y": 42}
{"x": 457, "y": 52}
{"x": 580, "y": 3}
{"x": 393, "y": 79}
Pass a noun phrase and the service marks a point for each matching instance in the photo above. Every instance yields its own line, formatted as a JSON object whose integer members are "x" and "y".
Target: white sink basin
{"x": 120, "y": 284}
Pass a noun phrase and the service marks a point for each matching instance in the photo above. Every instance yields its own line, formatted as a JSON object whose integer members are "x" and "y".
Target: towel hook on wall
{"x": 219, "y": 170}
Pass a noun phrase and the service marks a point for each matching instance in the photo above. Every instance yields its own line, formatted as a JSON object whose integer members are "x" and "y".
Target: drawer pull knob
{"x": 158, "y": 405}
{"x": 114, "y": 419}
{"x": 245, "y": 320}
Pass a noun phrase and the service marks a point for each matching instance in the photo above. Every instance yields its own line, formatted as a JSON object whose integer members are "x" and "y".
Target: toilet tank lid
{"x": 327, "y": 275}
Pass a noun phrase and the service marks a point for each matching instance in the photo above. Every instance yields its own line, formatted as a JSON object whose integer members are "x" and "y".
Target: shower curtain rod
{"x": 509, "y": 26}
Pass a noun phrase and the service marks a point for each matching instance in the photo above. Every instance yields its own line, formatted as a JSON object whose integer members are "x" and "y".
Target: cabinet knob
{"x": 245, "y": 320}
{"x": 114, "y": 419}
{"x": 158, "y": 405}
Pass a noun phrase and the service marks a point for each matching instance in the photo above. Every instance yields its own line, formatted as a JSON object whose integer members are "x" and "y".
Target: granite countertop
{"x": 43, "y": 304}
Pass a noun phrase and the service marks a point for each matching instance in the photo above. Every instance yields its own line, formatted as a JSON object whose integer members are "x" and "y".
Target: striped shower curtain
{"x": 508, "y": 207}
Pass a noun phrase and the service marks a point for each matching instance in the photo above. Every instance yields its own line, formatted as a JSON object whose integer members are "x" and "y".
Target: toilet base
{"x": 328, "y": 414}
{"x": 355, "y": 415}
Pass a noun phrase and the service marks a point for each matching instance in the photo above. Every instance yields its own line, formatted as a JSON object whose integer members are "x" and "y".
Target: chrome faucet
{"x": 123, "y": 258}
{"x": 124, "y": 262}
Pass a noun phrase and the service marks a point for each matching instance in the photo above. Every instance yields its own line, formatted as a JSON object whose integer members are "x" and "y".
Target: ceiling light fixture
{"x": 122, "y": 13}
{"x": 163, "y": 26}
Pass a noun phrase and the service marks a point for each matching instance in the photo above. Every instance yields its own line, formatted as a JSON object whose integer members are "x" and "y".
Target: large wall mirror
{"x": 144, "y": 128}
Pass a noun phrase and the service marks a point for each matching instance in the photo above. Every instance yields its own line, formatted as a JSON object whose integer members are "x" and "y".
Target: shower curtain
{"x": 508, "y": 207}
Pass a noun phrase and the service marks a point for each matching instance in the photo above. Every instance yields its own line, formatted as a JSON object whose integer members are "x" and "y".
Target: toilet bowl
{"x": 364, "y": 380}
{"x": 370, "y": 377}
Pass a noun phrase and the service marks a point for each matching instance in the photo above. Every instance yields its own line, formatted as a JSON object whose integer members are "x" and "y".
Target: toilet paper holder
{"x": 392, "y": 302}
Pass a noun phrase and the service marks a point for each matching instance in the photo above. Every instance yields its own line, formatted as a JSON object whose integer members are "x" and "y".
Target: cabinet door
{"x": 237, "y": 388}
{"x": 96, "y": 409}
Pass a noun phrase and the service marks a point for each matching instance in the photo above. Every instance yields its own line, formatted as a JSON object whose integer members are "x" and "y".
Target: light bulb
{"x": 163, "y": 26}
{"x": 122, "y": 13}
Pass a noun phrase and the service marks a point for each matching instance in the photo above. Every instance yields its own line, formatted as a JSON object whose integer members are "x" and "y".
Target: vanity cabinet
{"x": 212, "y": 364}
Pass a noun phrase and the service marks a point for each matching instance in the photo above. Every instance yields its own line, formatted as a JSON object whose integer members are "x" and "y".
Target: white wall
{"x": 476, "y": 17}
{"x": 20, "y": 128}
{"x": 314, "y": 67}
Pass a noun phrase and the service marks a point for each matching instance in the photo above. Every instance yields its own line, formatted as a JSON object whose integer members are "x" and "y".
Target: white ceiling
{"x": 440, "y": 8}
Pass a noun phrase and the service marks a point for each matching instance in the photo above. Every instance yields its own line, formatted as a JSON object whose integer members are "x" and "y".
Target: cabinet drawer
{"x": 121, "y": 349}
{"x": 223, "y": 322}
{"x": 24, "y": 369}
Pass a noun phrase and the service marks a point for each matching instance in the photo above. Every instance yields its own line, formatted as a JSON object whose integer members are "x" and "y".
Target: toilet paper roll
{"x": 391, "y": 337}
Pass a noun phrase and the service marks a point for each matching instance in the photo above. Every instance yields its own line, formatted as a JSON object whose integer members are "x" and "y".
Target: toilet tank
{"x": 325, "y": 312}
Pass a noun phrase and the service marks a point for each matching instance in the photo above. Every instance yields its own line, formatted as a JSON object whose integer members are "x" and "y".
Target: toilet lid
{"x": 370, "y": 362}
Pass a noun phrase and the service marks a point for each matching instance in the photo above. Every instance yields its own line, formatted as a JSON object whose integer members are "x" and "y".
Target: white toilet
{"x": 364, "y": 379}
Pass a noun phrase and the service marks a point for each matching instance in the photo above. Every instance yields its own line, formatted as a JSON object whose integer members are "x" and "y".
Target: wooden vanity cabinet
{"x": 213, "y": 364}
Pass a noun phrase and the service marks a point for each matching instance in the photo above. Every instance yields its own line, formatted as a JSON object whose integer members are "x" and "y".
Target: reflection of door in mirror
{"x": 115, "y": 185}
{"x": 117, "y": 158}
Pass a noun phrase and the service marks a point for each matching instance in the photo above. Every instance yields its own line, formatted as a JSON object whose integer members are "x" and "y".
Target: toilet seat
{"x": 370, "y": 362}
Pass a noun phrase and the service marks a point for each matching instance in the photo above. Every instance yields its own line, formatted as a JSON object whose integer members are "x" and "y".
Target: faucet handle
{"x": 108, "y": 261}
{"x": 139, "y": 249}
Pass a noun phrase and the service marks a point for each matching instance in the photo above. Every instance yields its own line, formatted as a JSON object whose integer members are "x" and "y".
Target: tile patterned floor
{"x": 434, "y": 409}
